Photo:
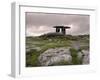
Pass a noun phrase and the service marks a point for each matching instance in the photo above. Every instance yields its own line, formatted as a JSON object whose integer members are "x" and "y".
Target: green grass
{"x": 32, "y": 58}
{"x": 75, "y": 59}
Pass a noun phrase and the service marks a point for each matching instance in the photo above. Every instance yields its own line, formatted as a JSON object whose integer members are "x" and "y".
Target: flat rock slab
{"x": 56, "y": 55}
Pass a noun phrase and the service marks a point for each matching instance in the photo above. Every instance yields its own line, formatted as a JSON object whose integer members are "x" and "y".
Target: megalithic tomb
{"x": 61, "y": 29}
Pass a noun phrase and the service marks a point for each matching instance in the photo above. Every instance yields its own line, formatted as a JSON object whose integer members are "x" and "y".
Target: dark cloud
{"x": 40, "y": 23}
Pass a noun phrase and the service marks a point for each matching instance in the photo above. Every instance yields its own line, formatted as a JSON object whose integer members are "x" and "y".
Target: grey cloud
{"x": 35, "y": 21}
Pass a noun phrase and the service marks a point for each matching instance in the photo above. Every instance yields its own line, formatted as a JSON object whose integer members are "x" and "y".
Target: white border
{"x": 19, "y": 69}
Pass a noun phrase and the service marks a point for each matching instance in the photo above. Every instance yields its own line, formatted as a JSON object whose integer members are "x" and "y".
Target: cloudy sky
{"x": 40, "y": 23}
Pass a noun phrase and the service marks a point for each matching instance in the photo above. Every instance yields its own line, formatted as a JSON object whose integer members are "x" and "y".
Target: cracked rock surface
{"x": 53, "y": 56}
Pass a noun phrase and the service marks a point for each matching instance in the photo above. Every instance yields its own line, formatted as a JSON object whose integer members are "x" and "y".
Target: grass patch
{"x": 32, "y": 58}
{"x": 75, "y": 59}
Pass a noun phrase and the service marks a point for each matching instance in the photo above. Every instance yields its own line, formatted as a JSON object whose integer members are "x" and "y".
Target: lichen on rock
{"x": 55, "y": 56}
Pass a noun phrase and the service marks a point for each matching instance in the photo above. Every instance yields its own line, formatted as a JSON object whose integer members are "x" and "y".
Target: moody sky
{"x": 40, "y": 23}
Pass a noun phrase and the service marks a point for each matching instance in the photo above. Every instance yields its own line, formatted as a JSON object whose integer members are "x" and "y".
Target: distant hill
{"x": 59, "y": 35}
{"x": 52, "y": 35}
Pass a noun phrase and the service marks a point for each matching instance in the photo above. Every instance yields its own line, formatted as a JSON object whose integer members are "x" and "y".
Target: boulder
{"x": 55, "y": 56}
{"x": 86, "y": 56}
{"x": 79, "y": 55}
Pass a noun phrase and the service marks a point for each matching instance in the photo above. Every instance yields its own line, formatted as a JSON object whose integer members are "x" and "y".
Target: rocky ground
{"x": 52, "y": 51}
{"x": 63, "y": 56}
